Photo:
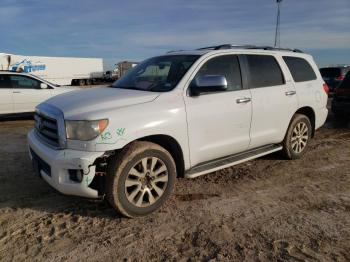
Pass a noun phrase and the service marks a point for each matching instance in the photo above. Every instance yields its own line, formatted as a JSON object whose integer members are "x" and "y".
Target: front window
{"x": 157, "y": 74}
{"x": 24, "y": 82}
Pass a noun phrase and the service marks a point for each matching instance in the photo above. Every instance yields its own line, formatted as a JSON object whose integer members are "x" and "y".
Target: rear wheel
{"x": 297, "y": 137}
{"x": 140, "y": 179}
{"x": 81, "y": 82}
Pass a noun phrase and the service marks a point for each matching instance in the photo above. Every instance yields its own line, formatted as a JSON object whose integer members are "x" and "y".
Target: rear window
{"x": 345, "y": 84}
{"x": 330, "y": 72}
{"x": 300, "y": 69}
{"x": 345, "y": 70}
{"x": 264, "y": 71}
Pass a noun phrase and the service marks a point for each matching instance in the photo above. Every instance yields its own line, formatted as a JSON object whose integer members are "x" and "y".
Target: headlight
{"x": 85, "y": 130}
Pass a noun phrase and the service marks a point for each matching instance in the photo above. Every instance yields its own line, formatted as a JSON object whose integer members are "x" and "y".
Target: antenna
{"x": 277, "y": 33}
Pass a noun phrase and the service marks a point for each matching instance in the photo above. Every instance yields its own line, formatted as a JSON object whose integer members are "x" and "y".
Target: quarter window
{"x": 18, "y": 81}
{"x": 264, "y": 71}
{"x": 227, "y": 66}
{"x": 300, "y": 69}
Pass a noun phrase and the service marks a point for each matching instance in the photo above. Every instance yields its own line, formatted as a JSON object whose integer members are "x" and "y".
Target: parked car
{"x": 185, "y": 113}
{"x": 341, "y": 100}
{"x": 21, "y": 93}
{"x": 333, "y": 76}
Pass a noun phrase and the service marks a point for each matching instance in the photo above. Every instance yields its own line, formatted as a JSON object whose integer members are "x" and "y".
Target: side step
{"x": 232, "y": 160}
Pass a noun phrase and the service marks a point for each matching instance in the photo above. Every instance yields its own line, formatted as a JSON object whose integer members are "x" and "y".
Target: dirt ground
{"x": 268, "y": 209}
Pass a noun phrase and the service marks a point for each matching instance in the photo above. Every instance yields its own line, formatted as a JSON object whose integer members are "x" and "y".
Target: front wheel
{"x": 297, "y": 137}
{"x": 140, "y": 179}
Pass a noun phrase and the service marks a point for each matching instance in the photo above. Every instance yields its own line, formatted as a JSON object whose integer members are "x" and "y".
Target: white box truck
{"x": 58, "y": 70}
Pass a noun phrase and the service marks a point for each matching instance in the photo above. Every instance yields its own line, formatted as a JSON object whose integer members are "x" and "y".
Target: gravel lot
{"x": 269, "y": 209}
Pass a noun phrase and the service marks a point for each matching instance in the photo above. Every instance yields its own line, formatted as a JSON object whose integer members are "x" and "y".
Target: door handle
{"x": 243, "y": 100}
{"x": 290, "y": 93}
{"x": 16, "y": 92}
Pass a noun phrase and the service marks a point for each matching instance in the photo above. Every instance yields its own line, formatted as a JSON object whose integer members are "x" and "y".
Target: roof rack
{"x": 229, "y": 46}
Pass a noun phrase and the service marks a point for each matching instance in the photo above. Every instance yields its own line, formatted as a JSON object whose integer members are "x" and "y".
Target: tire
{"x": 81, "y": 82}
{"x": 296, "y": 142}
{"x": 130, "y": 177}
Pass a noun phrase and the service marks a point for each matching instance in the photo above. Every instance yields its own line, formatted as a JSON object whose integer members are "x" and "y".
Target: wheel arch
{"x": 310, "y": 113}
{"x": 170, "y": 144}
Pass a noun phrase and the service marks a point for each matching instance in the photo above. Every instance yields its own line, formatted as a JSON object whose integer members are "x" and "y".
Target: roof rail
{"x": 229, "y": 46}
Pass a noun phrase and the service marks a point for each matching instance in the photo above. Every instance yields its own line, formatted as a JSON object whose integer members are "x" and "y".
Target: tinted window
{"x": 345, "y": 70}
{"x": 5, "y": 82}
{"x": 264, "y": 71}
{"x": 300, "y": 69}
{"x": 331, "y": 72}
{"x": 159, "y": 74}
{"x": 18, "y": 81}
{"x": 345, "y": 84}
{"x": 227, "y": 66}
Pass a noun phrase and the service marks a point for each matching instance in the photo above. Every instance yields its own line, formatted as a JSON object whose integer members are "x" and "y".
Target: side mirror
{"x": 43, "y": 86}
{"x": 208, "y": 83}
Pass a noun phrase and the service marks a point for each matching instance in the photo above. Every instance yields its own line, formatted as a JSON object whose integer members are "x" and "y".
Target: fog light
{"x": 76, "y": 175}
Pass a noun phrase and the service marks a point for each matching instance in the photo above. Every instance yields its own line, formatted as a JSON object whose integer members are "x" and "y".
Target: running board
{"x": 232, "y": 160}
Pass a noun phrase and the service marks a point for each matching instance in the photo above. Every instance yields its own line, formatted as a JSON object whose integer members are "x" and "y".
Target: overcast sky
{"x": 134, "y": 30}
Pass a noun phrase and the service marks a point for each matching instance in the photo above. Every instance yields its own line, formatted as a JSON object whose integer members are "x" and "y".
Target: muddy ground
{"x": 268, "y": 209}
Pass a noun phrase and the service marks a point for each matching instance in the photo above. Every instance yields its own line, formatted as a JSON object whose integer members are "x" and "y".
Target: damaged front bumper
{"x": 55, "y": 167}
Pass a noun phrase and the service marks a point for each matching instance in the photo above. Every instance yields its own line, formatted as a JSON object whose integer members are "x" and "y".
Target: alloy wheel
{"x": 146, "y": 181}
{"x": 300, "y": 137}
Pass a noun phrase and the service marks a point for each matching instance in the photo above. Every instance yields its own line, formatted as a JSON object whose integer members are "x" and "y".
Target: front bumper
{"x": 59, "y": 162}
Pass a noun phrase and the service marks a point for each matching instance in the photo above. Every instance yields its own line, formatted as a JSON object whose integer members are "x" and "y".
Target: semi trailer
{"x": 57, "y": 70}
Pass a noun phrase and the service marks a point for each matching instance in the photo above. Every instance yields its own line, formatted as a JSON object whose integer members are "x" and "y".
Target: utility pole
{"x": 277, "y": 33}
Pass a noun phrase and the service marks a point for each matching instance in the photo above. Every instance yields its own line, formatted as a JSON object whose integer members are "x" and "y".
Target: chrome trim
{"x": 290, "y": 93}
{"x": 55, "y": 114}
{"x": 243, "y": 100}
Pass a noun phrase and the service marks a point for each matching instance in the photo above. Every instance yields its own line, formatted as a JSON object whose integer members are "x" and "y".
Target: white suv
{"x": 185, "y": 113}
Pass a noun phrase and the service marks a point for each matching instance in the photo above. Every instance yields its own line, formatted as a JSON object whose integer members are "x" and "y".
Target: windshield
{"x": 44, "y": 81}
{"x": 158, "y": 74}
{"x": 332, "y": 72}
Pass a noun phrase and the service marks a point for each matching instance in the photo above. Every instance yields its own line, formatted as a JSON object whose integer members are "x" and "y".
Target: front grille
{"x": 47, "y": 128}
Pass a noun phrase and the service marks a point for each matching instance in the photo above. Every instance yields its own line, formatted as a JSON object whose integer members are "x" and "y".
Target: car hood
{"x": 81, "y": 103}
{"x": 63, "y": 89}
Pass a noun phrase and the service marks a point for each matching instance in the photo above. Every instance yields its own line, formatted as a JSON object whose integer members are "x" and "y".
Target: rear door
{"x": 274, "y": 99}
{"x": 27, "y": 93}
{"x": 6, "y": 98}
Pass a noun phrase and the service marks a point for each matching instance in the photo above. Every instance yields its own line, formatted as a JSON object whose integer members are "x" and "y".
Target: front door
{"x": 219, "y": 122}
{"x": 27, "y": 93}
{"x": 6, "y": 99}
